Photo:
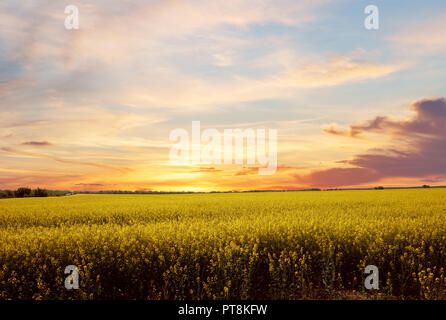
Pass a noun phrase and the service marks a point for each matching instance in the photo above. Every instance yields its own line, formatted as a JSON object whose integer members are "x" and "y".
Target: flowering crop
{"x": 281, "y": 245}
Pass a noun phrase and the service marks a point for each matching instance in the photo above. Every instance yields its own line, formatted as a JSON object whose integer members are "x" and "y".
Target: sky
{"x": 93, "y": 108}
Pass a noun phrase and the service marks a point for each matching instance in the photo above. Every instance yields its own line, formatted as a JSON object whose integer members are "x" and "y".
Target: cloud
{"x": 37, "y": 143}
{"x": 199, "y": 92}
{"x": 423, "y": 38}
{"x": 247, "y": 171}
{"x": 112, "y": 30}
{"x": 356, "y": 130}
{"x": 429, "y": 118}
{"x": 420, "y": 150}
{"x": 111, "y": 89}
{"x": 337, "y": 132}
{"x": 61, "y": 181}
{"x": 255, "y": 170}
{"x": 222, "y": 60}
{"x": 69, "y": 161}
{"x": 135, "y": 56}
{"x": 206, "y": 169}
{"x": 334, "y": 72}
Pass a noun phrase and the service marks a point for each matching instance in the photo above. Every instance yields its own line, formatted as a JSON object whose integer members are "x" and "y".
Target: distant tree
{"x": 40, "y": 193}
{"x": 9, "y": 193}
{"x": 379, "y": 188}
{"x": 23, "y": 192}
{"x": 426, "y": 186}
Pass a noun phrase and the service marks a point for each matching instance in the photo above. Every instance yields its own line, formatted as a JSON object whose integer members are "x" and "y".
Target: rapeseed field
{"x": 269, "y": 245}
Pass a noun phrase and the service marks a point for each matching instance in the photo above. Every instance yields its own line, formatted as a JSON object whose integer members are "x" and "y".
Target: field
{"x": 287, "y": 245}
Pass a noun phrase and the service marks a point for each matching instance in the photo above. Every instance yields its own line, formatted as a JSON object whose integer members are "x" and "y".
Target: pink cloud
{"x": 37, "y": 143}
{"x": 423, "y": 157}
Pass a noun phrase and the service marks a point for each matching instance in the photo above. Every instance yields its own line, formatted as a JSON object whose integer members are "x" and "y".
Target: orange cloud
{"x": 355, "y": 130}
{"x": 69, "y": 161}
{"x": 255, "y": 170}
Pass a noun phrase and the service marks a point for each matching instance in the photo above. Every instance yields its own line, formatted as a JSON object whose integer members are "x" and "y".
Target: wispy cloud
{"x": 64, "y": 160}
{"x": 422, "y": 37}
{"x": 255, "y": 170}
{"x": 37, "y": 143}
{"x": 334, "y": 72}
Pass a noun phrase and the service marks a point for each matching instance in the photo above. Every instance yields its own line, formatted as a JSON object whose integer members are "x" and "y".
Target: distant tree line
{"x": 25, "y": 192}
{"x": 132, "y": 192}
{"x": 183, "y": 192}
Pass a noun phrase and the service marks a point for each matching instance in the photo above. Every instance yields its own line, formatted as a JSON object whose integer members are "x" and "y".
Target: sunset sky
{"x": 92, "y": 109}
